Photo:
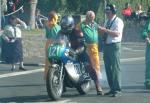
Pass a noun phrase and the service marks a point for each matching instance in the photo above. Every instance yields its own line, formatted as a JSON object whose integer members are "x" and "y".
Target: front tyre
{"x": 53, "y": 84}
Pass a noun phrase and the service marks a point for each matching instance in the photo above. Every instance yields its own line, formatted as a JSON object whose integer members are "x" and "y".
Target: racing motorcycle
{"x": 65, "y": 71}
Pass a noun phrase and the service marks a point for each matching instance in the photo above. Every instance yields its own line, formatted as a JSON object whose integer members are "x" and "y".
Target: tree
{"x": 107, "y": 1}
{"x": 33, "y": 4}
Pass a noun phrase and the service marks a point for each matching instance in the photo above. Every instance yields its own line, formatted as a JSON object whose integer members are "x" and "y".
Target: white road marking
{"x": 20, "y": 73}
{"x": 134, "y": 50}
{"x": 42, "y": 69}
{"x": 62, "y": 101}
{"x": 128, "y": 59}
{"x": 132, "y": 59}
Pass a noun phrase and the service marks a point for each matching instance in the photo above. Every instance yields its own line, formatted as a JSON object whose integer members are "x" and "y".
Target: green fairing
{"x": 51, "y": 33}
{"x": 55, "y": 51}
{"x": 90, "y": 34}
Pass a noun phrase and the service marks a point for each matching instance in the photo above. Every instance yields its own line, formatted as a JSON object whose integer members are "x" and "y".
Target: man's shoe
{"x": 21, "y": 68}
{"x": 100, "y": 93}
{"x": 109, "y": 93}
{"x": 12, "y": 69}
{"x": 116, "y": 94}
{"x": 147, "y": 84}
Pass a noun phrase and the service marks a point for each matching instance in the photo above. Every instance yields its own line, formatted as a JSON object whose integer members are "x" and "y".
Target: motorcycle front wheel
{"x": 53, "y": 84}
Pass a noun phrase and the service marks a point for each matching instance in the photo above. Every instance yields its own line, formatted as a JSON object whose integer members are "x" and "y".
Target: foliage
{"x": 81, "y": 6}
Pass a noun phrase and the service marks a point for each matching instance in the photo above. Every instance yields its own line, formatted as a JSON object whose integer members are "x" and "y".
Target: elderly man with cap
{"x": 90, "y": 33}
{"x": 112, "y": 35}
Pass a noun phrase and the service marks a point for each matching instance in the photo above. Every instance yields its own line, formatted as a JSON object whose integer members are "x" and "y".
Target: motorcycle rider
{"x": 71, "y": 36}
{"x": 76, "y": 38}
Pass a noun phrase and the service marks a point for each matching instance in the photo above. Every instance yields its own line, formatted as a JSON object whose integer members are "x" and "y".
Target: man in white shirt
{"x": 112, "y": 35}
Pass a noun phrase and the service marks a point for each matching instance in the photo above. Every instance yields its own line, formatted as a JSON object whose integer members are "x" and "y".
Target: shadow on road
{"x": 135, "y": 89}
{"x": 22, "y": 99}
{"x": 26, "y": 85}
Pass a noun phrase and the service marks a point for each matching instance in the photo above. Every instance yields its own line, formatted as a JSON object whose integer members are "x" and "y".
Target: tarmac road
{"x": 29, "y": 86}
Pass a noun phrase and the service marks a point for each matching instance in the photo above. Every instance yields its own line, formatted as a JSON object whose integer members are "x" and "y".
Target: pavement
{"x": 29, "y": 86}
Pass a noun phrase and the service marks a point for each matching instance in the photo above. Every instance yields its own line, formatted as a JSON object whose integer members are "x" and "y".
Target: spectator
{"x": 138, "y": 12}
{"x": 3, "y": 10}
{"x": 148, "y": 12}
{"x": 11, "y": 6}
{"x": 112, "y": 47}
{"x": 143, "y": 19}
{"x": 52, "y": 29}
{"x": 146, "y": 36}
{"x": 12, "y": 43}
{"x": 126, "y": 12}
{"x": 138, "y": 9}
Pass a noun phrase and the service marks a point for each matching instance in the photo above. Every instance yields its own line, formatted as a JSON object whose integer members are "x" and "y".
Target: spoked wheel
{"x": 85, "y": 86}
{"x": 53, "y": 83}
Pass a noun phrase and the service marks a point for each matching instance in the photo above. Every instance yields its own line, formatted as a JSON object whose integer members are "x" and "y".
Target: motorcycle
{"x": 65, "y": 71}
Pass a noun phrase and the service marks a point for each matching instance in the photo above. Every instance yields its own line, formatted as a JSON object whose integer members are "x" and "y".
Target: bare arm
{"x": 22, "y": 24}
{"x": 43, "y": 17}
{"x": 108, "y": 31}
{"x": 147, "y": 40}
{"x": 4, "y": 35}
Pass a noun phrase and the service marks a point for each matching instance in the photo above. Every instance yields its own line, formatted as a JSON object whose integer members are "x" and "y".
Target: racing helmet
{"x": 67, "y": 24}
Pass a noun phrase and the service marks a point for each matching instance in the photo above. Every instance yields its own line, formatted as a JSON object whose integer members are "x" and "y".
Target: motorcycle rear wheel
{"x": 53, "y": 84}
{"x": 84, "y": 88}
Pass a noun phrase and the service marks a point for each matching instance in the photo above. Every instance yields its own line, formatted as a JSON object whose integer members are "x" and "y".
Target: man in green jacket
{"x": 146, "y": 37}
{"x": 89, "y": 29}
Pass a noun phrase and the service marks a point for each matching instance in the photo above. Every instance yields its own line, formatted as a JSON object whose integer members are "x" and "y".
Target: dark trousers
{"x": 112, "y": 65}
{"x": 3, "y": 22}
{"x": 147, "y": 65}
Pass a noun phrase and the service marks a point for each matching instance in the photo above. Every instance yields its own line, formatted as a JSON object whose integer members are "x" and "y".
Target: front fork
{"x": 61, "y": 73}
